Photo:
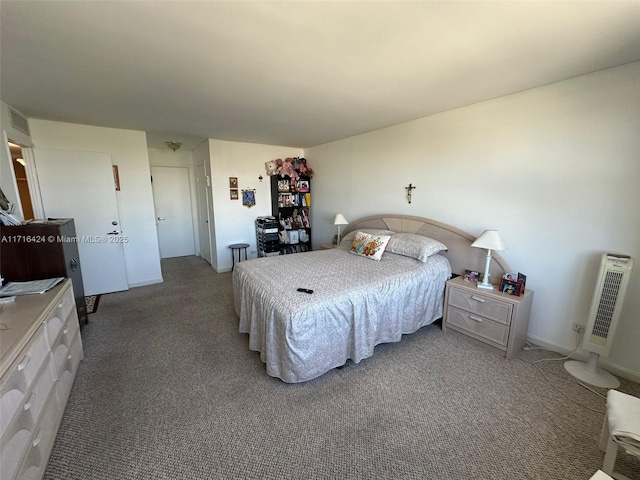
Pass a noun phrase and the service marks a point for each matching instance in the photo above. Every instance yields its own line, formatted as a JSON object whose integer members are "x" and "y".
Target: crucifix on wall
{"x": 409, "y": 188}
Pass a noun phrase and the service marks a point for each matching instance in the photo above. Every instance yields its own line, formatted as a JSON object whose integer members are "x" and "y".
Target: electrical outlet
{"x": 578, "y": 328}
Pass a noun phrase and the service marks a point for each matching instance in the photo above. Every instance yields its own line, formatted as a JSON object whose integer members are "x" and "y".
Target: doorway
{"x": 20, "y": 172}
{"x": 172, "y": 200}
{"x": 80, "y": 185}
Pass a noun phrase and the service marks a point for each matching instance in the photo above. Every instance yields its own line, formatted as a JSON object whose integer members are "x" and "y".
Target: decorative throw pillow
{"x": 368, "y": 245}
{"x": 415, "y": 246}
{"x": 348, "y": 238}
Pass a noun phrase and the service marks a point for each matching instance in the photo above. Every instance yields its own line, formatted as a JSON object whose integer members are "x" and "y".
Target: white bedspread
{"x": 357, "y": 303}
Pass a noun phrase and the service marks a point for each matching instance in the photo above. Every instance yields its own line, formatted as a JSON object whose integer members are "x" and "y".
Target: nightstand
{"x": 489, "y": 316}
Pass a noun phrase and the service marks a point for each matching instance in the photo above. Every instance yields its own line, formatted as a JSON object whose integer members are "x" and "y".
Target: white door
{"x": 80, "y": 185}
{"x": 172, "y": 198}
{"x": 203, "y": 212}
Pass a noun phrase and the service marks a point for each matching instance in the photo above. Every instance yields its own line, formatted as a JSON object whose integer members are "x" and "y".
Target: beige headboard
{"x": 461, "y": 255}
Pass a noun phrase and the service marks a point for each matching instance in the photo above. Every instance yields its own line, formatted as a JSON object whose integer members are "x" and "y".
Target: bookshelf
{"x": 291, "y": 207}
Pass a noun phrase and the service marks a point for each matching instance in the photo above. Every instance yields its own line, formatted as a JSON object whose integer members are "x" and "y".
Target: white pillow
{"x": 415, "y": 246}
{"x": 368, "y": 245}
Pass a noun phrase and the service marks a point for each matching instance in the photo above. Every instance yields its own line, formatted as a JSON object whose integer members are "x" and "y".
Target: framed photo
{"x": 471, "y": 276}
{"x": 233, "y": 194}
{"x": 233, "y": 182}
{"x": 516, "y": 277}
{"x": 511, "y": 287}
{"x": 303, "y": 186}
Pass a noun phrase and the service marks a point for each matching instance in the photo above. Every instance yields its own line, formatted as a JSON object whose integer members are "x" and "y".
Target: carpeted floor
{"x": 169, "y": 390}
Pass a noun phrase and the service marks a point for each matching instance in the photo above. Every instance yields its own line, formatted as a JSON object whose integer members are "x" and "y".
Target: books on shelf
{"x": 29, "y": 288}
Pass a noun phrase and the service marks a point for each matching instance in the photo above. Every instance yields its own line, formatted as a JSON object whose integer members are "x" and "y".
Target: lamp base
{"x": 486, "y": 286}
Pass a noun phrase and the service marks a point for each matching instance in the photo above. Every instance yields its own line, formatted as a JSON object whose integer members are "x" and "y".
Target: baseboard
{"x": 146, "y": 282}
{"x": 583, "y": 355}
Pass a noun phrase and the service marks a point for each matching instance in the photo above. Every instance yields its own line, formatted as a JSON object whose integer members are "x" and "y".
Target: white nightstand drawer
{"x": 481, "y": 305}
{"x": 479, "y": 327}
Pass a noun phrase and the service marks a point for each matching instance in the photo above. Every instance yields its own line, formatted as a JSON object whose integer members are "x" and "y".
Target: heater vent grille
{"x": 607, "y": 305}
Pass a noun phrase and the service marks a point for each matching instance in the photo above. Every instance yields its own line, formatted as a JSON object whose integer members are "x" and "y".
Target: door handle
{"x": 115, "y": 232}
{"x": 160, "y": 218}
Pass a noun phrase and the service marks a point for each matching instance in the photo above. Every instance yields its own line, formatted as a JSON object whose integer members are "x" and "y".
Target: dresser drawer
{"x": 41, "y": 442}
{"x": 479, "y": 327}
{"x": 16, "y": 405}
{"x": 58, "y": 316}
{"x": 67, "y": 370}
{"x": 21, "y": 375}
{"x": 481, "y": 305}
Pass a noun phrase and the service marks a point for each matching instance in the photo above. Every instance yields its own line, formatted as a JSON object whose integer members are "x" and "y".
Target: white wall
{"x": 128, "y": 150}
{"x": 555, "y": 169}
{"x": 235, "y": 223}
{"x": 164, "y": 157}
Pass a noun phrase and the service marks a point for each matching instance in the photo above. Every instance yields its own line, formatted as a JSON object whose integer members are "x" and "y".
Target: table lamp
{"x": 339, "y": 220}
{"x": 490, "y": 240}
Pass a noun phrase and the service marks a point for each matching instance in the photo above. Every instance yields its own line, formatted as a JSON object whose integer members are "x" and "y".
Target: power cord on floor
{"x": 528, "y": 346}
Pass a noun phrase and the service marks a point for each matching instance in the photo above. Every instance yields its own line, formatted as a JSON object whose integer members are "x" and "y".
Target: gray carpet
{"x": 169, "y": 390}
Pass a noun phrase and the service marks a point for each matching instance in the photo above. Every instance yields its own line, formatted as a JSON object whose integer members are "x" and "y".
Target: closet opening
{"x": 20, "y": 173}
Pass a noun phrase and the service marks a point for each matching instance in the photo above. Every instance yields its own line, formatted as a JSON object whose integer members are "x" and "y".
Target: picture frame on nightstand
{"x": 511, "y": 287}
{"x": 471, "y": 276}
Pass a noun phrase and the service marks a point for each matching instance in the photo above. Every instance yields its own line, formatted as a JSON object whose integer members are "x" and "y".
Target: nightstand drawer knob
{"x": 473, "y": 317}
{"x": 477, "y": 299}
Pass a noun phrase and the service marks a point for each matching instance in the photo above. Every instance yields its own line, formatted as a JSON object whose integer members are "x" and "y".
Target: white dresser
{"x": 40, "y": 352}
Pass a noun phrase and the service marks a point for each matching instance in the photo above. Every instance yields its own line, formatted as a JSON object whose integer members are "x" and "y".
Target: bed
{"x": 356, "y": 304}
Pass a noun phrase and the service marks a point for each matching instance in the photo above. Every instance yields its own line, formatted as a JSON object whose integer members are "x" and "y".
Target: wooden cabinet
{"x": 41, "y": 350}
{"x": 43, "y": 250}
{"x": 291, "y": 206}
{"x": 492, "y": 317}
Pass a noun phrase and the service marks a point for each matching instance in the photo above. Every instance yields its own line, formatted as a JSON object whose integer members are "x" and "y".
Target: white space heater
{"x": 611, "y": 285}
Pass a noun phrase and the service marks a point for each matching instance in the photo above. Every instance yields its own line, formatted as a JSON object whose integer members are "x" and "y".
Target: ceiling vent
{"x": 19, "y": 122}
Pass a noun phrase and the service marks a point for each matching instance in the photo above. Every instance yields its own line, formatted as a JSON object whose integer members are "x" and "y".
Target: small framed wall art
{"x": 233, "y": 182}
{"x": 233, "y": 194}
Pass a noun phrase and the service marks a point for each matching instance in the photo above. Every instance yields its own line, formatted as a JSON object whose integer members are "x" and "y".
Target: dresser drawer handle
{"x": 477, "y": 299}
{"x": 473, "y": 317}
{"x": 24, "y": 363}
{"x": 27, "y": 405}
{"x": 37, "y": 439}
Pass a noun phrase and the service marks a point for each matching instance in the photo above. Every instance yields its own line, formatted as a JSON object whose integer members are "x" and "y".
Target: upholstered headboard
{"x": 461, "y": 255}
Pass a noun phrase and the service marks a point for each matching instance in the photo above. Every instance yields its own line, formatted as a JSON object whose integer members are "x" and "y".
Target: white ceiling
{"x": 298, "y": 73}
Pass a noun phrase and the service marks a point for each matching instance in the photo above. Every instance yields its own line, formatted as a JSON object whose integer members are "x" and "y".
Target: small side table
{"x": 238, "y": 247}
{"x": 489, "y": 316}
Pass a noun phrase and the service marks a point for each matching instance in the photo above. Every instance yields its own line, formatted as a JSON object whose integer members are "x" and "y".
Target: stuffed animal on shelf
{"x": 304, "y": 170}
{"x": 271, "y": 167}
{"x": 287, "y": 169}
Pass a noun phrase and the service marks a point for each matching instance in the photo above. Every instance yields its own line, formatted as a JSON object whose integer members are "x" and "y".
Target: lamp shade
{"x": 491, "y": 240}
{"x": 340, "y": 220}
